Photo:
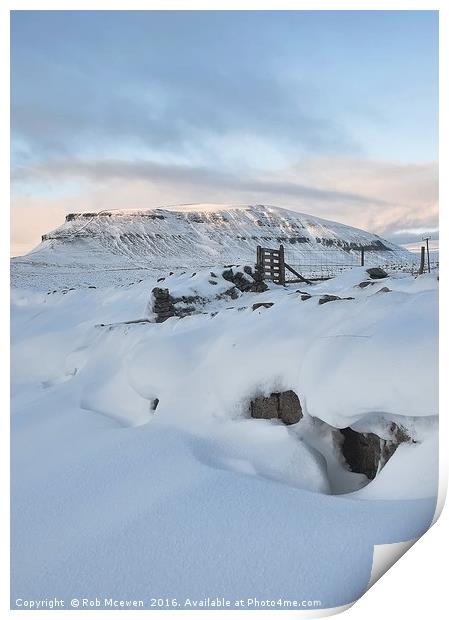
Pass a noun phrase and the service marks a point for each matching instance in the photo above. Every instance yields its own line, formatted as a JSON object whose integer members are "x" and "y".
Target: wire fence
{"x": 328, "y": 264}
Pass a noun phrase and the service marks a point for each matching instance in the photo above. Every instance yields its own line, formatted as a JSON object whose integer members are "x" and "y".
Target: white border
{"x": 415, "y": 585}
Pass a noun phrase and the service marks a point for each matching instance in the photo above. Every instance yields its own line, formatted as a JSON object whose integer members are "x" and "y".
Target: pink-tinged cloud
{"x": 382, "y": 197}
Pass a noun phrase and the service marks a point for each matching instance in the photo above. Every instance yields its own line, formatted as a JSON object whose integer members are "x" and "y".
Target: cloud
{"x": 116, "y": 109}
{"x": 105, "y": 170}
{"x": 380, "y": 197}
{"x": 175, "y": 89}
{"x": 406, "y": 194}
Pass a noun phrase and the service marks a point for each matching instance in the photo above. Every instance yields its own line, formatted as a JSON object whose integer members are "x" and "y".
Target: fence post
{"x": 428, "y": 254}
{"x": 423, "y": 258}
{"x": 281, "y": 265}
{"x": 258, "y": 256}
{"x": 362, "y": 257}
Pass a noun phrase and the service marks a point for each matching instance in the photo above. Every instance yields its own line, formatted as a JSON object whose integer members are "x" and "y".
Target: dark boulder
{"x": 290, "y": 410}
{"x": 326, "y": 298}
{"x": 265, "y": 407}
{"x": 367, "y": 453}
{"x": 266, "y": 304}
{"x": 376, "y": 273}
{"x": 361, "y": 452}
{"x": 284, "y": 406}
{"x": 365, "y": 284}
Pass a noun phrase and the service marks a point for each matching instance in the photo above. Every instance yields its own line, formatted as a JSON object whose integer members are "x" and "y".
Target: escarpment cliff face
{"x": 202, "y": 235}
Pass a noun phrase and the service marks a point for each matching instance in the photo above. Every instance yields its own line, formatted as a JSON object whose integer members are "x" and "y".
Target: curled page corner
{"x": 385, "y": 556}
{"x": 325, "y": 613}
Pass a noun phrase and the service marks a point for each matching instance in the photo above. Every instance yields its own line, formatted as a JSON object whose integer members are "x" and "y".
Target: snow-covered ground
{"x": 194, "y": 499}
{"x": 121, "y": 246}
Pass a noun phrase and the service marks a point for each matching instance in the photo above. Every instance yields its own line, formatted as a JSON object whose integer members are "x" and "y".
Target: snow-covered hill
{"x": 202, "y": 235}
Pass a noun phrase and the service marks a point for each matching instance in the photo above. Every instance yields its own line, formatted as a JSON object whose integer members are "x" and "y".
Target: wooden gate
{"x": 271, "y": 263}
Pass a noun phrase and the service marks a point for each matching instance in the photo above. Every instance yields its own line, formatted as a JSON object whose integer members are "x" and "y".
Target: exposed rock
{"x": 290, "y": 410}
{"x": 384, "y": 289}
{"x": 163, "y": 305}
{"x": 259, "y": 285}
{"x": 154, "y": 404}
{"x": 241, "y": 282}
{"x": 266, "y": 304}
{"x": 326, "y": 298}
{"x": 282, "y": 405}
{"x": 246, "y": 281}
{"x": 376, "y": 273}
{"x": 365, "y": 284}
{"x": 361, "y": 451}
{"x": 188, "y": 299}
{"x": 238, "y": 279}
{"x": 185, "y": 311}
{"x": 228, "y": 274}
{"x": 230, "y": 292}
{"x": 399, "y": 434}
{"x": 305, "y": 296}
{"x": 367, "y": 453}
{"x": 265, "y": 407}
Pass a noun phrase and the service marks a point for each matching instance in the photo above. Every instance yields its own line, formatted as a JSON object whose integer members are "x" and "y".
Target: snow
{"x": 361, "y": 347}
{"x": 196, "y": 498}
{"x": 120, "y": 246}
{"x": 415, "y": 465}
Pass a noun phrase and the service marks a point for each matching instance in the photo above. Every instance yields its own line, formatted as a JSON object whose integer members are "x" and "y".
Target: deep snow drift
{"x": 194, "y": 498}
{"x": 120, "y": 246}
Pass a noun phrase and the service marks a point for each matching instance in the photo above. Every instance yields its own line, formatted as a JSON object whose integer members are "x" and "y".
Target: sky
{"x": 332, "y": 113}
